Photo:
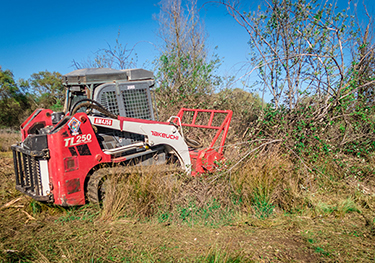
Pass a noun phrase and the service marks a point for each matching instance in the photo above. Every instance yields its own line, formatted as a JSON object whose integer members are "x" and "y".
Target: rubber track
{"x": 93, "y": 195}
{"x": 93, "y": 184}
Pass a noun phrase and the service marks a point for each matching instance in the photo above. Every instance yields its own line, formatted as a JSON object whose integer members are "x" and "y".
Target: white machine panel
{"x": 44, "y": 176}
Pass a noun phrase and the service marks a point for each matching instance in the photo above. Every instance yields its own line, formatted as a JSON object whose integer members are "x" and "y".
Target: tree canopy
{"x": 12, "y": 100}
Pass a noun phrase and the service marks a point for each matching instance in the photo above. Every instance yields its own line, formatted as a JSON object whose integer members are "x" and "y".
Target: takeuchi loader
{"x": 108, "y": 123}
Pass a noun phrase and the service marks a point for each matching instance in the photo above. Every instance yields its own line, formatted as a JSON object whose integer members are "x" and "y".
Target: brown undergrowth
{"x": 265, "y": 185}
{"x": 267, "y": 209}
{"x": 268, "y": 180}
{"x": 166, "y": 196}
{"x": 7, "y": 138}
{"x": 271, "y": 206}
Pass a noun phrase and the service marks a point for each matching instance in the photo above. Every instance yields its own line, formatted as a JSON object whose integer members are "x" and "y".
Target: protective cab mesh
{"x": 109, "y": 101}
{"x": 134, "y": 103}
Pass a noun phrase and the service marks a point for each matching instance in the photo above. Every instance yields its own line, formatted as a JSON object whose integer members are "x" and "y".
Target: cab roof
{"x": 89, "y": 76}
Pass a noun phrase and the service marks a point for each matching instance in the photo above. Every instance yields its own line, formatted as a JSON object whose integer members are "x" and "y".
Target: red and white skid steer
{"x": 108, "y": 122}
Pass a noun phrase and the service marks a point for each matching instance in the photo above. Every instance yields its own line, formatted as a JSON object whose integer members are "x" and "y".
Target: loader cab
{"x": 122, "y": 92}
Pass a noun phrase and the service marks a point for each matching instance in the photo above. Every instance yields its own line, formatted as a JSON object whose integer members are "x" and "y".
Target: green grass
{"x": 210, "y": 214}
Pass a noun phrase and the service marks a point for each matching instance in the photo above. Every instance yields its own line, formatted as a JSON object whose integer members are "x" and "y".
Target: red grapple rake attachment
{"x": 207, "y": 159}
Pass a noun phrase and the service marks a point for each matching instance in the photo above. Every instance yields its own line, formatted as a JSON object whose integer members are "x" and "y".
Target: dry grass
{"x": 170, "y": 196}
{"x": 137, "y": 192}
{"x": 268, "y": 180}
{"x": 7, "y": 139}
{"x": 270, "y": 208}
{"x": 266, "y": 185}
{"x": 7, "y": 179}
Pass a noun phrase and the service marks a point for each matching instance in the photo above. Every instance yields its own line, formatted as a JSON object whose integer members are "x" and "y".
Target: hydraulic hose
{"x": 88, "y": 103}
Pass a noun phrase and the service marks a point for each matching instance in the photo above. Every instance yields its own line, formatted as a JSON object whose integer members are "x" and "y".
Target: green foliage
{"x": 321, "y": 251}
{"x": 18, "y": 100}
{"x": 212, "y": 213}
{"x": 13, "y": 101}
{"x": 47, "y": 90}
{"x": 218, "y": 255}
{"x": 262, "y": 203}
{"x": 84, "y": 213}
{"x": 185, "y": 74}
{"x": 185, "y": 81}
{"x": 342, "y": 133}
{"x": 319, "y": 72}
{"x": 35, "y": 207}
{"x": 339, "y": 208}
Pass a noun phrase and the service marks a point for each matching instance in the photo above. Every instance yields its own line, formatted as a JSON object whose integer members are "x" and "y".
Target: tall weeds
{"x": 168, "y": 196}
{"x": 266, "y": 181}
{"x": 139, "y": 193}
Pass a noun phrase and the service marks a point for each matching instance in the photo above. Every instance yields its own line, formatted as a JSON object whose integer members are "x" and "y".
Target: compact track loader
{"x": 108, "y": 122}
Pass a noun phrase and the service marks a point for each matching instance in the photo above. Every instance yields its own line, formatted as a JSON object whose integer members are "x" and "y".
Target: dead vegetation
{"x": 7, "y": 138}
{"x": 292, "y": 189}
{"x": 269, "y": 206}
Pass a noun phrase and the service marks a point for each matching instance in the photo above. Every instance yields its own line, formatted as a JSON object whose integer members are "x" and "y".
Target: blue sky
{"x": 47, "y": 35}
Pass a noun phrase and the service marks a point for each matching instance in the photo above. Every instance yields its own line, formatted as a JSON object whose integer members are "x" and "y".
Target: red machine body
{"x": 39, "y": 119}
{"x": 61, "y": 153}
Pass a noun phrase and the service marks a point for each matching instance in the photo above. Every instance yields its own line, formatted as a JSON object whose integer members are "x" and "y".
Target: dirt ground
{"x": 33, "y": 232}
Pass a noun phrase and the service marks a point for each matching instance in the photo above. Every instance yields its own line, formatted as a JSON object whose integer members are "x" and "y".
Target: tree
{"x": 47, "y": 89}
{"x": 12, "y": 101}
{"x": 300, "y": 49}
{"x": 317, "y": 62}
{"x": 365, "y": 64}
{"x": 185, "y": 74}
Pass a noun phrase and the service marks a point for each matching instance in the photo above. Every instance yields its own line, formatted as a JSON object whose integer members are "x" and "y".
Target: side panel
{"x": 44, "y": 175}
{"x": 158, "y": 133}
{"x": 74, "y": 152}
